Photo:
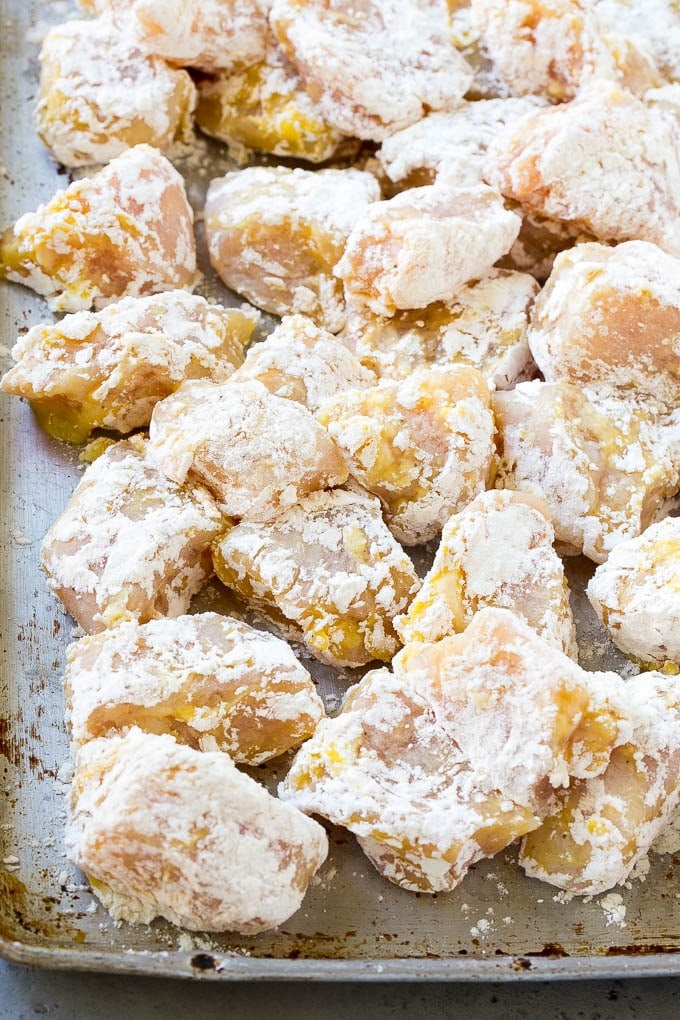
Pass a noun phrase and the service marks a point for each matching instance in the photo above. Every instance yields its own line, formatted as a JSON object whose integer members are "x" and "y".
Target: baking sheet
{"x": 352, "y": 925}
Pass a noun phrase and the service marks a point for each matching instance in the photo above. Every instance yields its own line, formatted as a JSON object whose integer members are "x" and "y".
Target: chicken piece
{"x": 451, "y": 144}
{"x": 130, "y": 544}
{"x": 484, "y": 326}
{"x": 653, "y": 24}
{"x": 451, "y": 758}
{"x": 100, "y": 94}
{"x": 601, "y": 827}
{"x": 386, "y": 770}
{"x": 492, "y": 678}
{"x": 606, "y": 163}
{"x": 107, "y": 369}
{"x": 604, "y": 471}
{"x": 212, "y": 682}
{"x": 498, "y": 551}
{"x": 327, "y": 572}
{"x": 373, "y": 66}
{"x": 468, "y": 38}
{"x": 275, "y": 235}
{"x": 209, "y": 35}
{"x": 423, "y": 445}
{"x": 636, "y": 594}
{"x": 302, "y": 362}
{"x": 553, "y": 47}
{"x": 608, "y": 320}
{"x": 422, "y": 245}
{"x": 265, "y": 108}
{"x": 162, "y": 830}
{"x": 126, "y": 231}
{"x": 257, "y": 453}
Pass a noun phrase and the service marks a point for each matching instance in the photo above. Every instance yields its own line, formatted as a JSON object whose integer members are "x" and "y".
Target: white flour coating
{"x": 100, "y": 93}
{"x": 606, "y": 824}
{"x": 327, "y": 570}
{"x": 209, "y": 35}
{"x": 387, "y": 769}
{"x": 422, "y": 245}
{"x": 374, "y": 66}
{"x": 448, "y": 760}
{"x": 468, "y": 39}
{"x": 163, "y": 830}
{"x": 636, "y": 594}
{"x": 518, "y": 708}
{"x": 609, "y": 319}
{"x": 605, "y": 161}
{"x": 275, "y": 235}
{"x": 603, "y": 470}
{"x": 301, "y": 361}
{"x": 652, "y": 24}
{"x": 126, "y": 231}
{"x": 331, "y": 198}
{"x": 666, "y": 98}
{"x": 195, "y": 676}
{"x": 554, "y": 48}
{"x": 111, "y": 367}
{"x": 452, "y": 144}
{"x": 131, "y": 544}
{"x": 423, "y": 445}
{"x": 497, "y": 551}
{"x": 257, "y": 453}
{"x": 484, "y": 326}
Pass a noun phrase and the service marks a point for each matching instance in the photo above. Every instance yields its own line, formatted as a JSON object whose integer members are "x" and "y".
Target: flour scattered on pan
{"x": 64, "y": 778}
{"x": 639, "y": 872}
{"x": 483, "y": 927}
{"x": 20, "y": 537}
{"x": 500, "y": 886}
{"x": 186, "y": 943}
{"x": 324, "y": 879}
{"x": 614, "y": 910}
{"x": 668, "y": 842}
{"x": 65, "y": 772}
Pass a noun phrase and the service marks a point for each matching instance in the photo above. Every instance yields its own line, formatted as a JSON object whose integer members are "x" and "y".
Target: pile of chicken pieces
{"x": 474, "y": 248}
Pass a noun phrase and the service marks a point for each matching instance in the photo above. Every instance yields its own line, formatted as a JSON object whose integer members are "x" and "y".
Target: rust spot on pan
{"x": 22, "y": 914}
{"x": 641, "y": 950}
{"x": 551, "y": 951}
{"x": 10, "y": 746}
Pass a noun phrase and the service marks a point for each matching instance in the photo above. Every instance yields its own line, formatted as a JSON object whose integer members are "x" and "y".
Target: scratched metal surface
{"x": 353, "y": 924}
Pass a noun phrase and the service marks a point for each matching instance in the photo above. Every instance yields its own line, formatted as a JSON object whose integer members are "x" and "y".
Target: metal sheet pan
{"x": 353, "y": 925}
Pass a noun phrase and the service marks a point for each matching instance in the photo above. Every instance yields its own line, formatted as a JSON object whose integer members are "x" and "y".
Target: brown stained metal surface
{"x": 497, "y": 925}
